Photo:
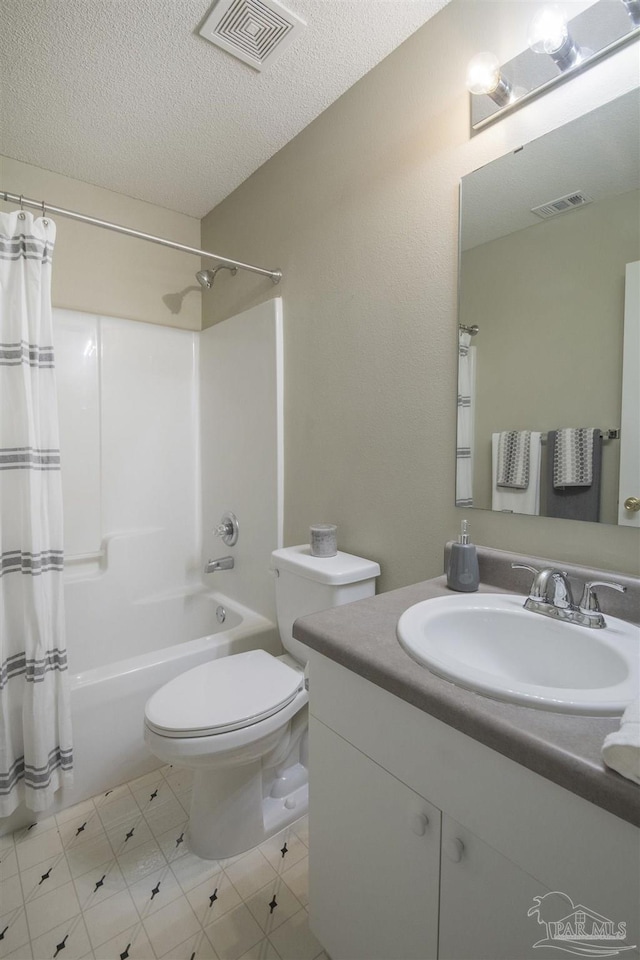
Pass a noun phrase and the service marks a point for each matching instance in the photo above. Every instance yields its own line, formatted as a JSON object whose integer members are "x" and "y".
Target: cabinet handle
{"x": 419, "y": 824}
{"x": 454, "y": 849}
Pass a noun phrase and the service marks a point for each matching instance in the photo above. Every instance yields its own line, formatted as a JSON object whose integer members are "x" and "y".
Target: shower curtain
{"x": 466, "y": 412}
{"x": 35, "y": 726}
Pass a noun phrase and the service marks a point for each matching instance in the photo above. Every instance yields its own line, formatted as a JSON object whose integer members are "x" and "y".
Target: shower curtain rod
{"x": 276, "y": 275}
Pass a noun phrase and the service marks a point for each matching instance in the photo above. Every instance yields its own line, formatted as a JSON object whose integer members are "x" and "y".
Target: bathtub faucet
{"x": 224, "y": 563}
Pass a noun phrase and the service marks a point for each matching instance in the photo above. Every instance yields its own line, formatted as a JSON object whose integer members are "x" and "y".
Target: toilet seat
{"x": 223, "y": 695}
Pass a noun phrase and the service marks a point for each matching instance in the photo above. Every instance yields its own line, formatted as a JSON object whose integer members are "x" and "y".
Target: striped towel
{"x": 513, "y": 459}
{"x": 573, "y": 457}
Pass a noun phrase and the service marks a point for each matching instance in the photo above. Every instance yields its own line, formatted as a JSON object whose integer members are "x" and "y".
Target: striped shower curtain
{"x": 466, "y": 412}
{"x": 35, "y": 727}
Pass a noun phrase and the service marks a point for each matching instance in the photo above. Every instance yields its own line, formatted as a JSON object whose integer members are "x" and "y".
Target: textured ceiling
{"x": 125, "y": 94}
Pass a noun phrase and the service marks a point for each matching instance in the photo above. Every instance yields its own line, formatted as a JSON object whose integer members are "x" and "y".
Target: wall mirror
{"x": 549, "y": 251}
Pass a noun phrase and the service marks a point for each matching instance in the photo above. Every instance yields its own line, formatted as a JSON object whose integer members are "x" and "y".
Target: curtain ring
{"x": 45, "y": 222}
{"x": 21, "y": 215}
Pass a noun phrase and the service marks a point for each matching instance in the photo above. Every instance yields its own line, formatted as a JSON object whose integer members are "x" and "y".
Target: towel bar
{"x": 604, "y": 435}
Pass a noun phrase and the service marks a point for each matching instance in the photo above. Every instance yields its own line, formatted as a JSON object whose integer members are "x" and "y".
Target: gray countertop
{"x": 565, "y": 749}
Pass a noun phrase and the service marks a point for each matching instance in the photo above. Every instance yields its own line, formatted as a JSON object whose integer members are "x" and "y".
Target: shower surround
{"x": 149, "y": 418}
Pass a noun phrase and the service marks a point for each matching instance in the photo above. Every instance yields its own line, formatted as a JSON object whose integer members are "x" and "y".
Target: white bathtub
{"x": 107, "y": 702}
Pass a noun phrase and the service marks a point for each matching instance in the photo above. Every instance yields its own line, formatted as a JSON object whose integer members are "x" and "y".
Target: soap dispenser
{"x": 462, "y": 569}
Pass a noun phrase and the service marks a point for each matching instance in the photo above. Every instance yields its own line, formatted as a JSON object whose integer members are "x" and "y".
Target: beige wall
{"x": 549, "y": 301}
{"x": 360, "y": 211}
{"x": 106, "y": 273}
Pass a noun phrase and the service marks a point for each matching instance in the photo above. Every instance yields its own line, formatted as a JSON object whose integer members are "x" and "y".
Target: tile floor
{"x": 113, "y": 879}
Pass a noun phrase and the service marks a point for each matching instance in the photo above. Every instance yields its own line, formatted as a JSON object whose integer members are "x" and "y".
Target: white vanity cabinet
{"x": 427, "y": 844}
{"x": 484, "y": 901}
{"x": 394, "y": 879}
{"x": 368, "y": 825}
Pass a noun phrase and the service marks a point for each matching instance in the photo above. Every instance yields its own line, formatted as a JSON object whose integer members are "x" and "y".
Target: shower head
{"x": 206, "y": 277}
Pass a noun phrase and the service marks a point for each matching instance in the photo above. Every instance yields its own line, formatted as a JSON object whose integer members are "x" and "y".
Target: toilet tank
{"x": 306, "y": 584}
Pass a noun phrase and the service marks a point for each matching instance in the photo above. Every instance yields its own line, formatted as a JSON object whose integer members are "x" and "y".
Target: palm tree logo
{"x": 551, "y": 908}
{"x": 575, "y": 928}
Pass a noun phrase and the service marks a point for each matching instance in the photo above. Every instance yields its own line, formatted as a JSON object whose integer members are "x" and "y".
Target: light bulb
{"x": 483, "y": 76}
{"x": 483, "y": 73}
{"x": 548, "y": 33}
{"x": 633, "y": 9}
{"x": 548, "y": 30}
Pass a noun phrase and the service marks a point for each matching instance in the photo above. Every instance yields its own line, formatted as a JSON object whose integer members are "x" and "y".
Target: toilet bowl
{"x": 229, "y": 720}
{"x": 240, "y": 722}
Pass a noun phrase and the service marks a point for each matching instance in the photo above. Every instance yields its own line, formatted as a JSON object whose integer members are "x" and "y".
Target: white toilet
{"x": 241, "y": 721}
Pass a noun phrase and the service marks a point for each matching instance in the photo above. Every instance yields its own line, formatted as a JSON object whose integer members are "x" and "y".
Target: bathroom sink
{"x": 490, "y": 644}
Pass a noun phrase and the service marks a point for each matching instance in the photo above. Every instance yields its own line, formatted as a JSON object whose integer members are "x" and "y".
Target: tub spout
{"x": 224, "y": 563}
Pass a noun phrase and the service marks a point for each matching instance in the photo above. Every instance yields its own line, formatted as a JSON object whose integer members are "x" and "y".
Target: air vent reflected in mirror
{"x": 562, "y": 205}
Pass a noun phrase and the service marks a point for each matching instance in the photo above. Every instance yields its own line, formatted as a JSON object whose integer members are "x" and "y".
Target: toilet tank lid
{"x": 334, "y": 571}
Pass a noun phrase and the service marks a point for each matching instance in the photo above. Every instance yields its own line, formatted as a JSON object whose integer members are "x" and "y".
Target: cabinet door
{"x": 484, "y": 901}
{"x": 374, "y": 857}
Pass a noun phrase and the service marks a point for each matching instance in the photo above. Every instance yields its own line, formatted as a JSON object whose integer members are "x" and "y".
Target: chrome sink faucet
{"x": 224, "y": 563}
{"x": 561, "y": 605}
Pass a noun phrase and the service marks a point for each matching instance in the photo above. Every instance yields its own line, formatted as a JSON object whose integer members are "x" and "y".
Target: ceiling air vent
{"x": 561, "y": 205}
{"x": 255, "y": 31}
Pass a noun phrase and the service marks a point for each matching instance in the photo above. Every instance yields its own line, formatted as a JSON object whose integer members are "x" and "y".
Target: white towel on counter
{"x": 621, "y": 750}
{"x": 510, "y": 499}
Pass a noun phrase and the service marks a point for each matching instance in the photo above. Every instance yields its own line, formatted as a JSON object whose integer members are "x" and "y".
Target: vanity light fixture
{"x": 483, "y": 76}
{"x": 569, "y": 47}
{"x": 549, "y": 34}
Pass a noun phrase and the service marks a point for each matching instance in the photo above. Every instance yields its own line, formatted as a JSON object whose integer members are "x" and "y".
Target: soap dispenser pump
{"x": 462, "y": 569}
